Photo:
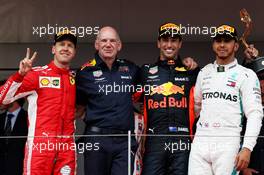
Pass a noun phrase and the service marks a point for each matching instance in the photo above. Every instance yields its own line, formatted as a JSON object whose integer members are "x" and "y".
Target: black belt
{"x": 105, "y": 130}
{"x": 168, "y": 130}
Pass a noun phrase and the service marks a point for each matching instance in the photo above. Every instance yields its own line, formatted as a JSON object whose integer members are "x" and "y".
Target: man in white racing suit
{"x": 224, "y": 92}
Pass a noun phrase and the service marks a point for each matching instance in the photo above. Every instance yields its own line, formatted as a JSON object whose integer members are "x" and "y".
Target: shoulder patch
{"x": 90, "y": 63}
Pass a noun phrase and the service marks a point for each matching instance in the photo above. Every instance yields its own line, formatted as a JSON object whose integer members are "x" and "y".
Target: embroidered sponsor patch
{"x": 231, "y": 83}
{"x": 65, "y": 170}
{"x": 97, "y": 73}
{"x": 232, "y": 80}
{"x": 153, "y": 70}
{"x": 72, "y": 80}
{"x": 181, "y": 79}
{"x": 153, "y": 77}
{"x": 126, "y": 77}
{"x": 50, "y": 82}
{"x": 123, "y": 69}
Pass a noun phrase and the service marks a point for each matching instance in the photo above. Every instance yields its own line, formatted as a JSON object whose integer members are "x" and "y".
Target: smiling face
{"x": 64, "y": 51}
{"x": 169, "y": 47}
{"x": 225, "y": 49}
{"x": 108, "y": 43}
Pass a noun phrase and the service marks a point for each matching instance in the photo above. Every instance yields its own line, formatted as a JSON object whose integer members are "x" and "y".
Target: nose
{"x": 222, "y": 43}
{"x": 169, "y": 44}
{"x": 66, "y": 47}
{"x": 108, "y": 43}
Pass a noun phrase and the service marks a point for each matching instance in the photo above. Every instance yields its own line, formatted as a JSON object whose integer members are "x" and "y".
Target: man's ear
{"x": 53, "y": 50}
{"x": 119, "y": 47}
{"x": 236, "y": 46}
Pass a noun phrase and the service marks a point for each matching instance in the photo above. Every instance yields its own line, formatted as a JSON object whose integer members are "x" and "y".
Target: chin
{"x": 170, "y": 56}
{"x": 109, "y": 57}
{"x": 65, "y": 62}
{"x": 222, "y": 57}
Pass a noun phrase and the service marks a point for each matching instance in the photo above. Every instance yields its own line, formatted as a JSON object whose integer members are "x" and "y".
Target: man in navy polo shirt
{"x": 104, "y": 90}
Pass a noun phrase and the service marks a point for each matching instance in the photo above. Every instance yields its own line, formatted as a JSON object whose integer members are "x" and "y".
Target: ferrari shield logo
{"x": 72, "y": 80}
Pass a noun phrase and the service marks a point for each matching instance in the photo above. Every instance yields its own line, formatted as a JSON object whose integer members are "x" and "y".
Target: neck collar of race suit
{"x": 57, "y": 69}
{"x": 226, "y": 67}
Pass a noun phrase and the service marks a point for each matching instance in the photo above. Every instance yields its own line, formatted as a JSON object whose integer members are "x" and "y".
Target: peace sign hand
{"x": 25, "y": 65}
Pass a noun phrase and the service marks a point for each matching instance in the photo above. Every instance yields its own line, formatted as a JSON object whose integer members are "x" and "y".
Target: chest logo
{"x": 167, "y": 89}
{"x": 153, "y": 70}
{"x": 49, "y": 82}
{"x": 72, "y": 80}
{"x": 126, "y": 77}
{"x": 232, "y": 80}
{"x": 123, "y": 69}
{"x": 97, "y": 73}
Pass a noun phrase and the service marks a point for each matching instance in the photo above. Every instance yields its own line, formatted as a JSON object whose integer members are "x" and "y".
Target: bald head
{"x": 108, "y": 29}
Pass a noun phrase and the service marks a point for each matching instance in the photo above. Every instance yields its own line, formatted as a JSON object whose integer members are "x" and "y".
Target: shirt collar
{"x": 100, "y": 62}
{"x": 98, "y": 59}
{"x": 227, "y": 66}
{"x": 15, "y": 113}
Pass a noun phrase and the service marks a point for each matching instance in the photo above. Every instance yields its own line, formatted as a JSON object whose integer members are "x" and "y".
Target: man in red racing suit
{"x": 50, "y": 91}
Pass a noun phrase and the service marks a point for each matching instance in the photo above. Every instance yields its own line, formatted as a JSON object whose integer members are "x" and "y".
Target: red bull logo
{"x": 171, "y": 102}
{"x": 167, "y": 89}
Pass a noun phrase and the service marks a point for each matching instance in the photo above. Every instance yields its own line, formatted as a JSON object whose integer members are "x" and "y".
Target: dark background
{"x": 137, "y": 22}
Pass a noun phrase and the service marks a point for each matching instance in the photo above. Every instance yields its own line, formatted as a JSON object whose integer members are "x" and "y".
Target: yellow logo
{"x": 167, "y": 89}
{"x": 72, "y": 80}
{"x": 44, "y": 82}
{"x": 169, "y": 26}
{"x": 63, "y": 32}
{"x": 182, "y": 69}
{"x": 226, "y": 28}
{"x": 89, "y": 63}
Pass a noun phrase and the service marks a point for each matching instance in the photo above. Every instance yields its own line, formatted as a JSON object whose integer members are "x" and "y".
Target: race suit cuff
{"x": 248, "y": 146}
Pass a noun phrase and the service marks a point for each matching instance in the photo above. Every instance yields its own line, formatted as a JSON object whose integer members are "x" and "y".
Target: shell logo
{"x": 45, "y": 82}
